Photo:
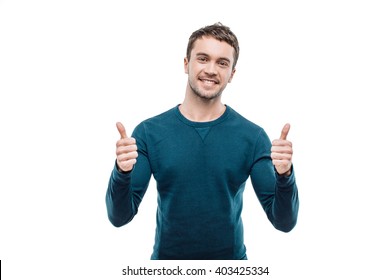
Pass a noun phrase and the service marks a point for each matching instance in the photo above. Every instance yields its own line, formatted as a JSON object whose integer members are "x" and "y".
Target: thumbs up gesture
{"x": 281, "y": 153}
{"x": 126, "y": 150}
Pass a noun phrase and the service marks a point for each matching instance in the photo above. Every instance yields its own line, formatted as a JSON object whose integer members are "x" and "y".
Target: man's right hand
{"x": 126, "y": 150}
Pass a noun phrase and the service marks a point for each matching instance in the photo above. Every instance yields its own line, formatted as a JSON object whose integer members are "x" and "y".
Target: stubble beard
{"x": 198, "y": 92}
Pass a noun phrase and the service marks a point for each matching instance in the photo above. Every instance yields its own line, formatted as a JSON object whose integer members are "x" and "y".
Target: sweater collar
{"x": 202, "y": 124}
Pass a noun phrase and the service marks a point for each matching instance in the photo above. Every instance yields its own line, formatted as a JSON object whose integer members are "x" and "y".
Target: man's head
{"x": 212, "y": 54}
{"x": 217, "y": 31}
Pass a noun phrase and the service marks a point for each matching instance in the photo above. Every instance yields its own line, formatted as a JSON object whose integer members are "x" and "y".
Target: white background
{"x": 70, "y": 69}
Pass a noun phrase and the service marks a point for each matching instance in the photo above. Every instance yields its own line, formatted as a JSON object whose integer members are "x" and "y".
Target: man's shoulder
{"x": 161, "y": 116}
{"x": 168, "y": 113}
{"x": 243, "y": 121}
{"x": 158, "y": 123}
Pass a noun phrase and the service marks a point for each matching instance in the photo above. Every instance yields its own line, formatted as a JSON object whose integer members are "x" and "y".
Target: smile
{"x": 208, "y": 81}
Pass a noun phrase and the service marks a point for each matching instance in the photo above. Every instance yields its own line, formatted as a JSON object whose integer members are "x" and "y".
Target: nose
{"x": 210, "y": 69}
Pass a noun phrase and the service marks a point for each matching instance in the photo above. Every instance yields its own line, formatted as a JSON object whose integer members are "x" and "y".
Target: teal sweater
{"x": 201, "y": 169}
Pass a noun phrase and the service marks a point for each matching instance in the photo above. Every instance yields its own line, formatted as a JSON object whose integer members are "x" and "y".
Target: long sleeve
{"x": 201, "y": 169}
{"x": 277, "y": 194}
{"x": 126, "y": 190}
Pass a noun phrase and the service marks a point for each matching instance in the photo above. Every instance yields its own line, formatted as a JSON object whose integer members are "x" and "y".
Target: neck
{"x": 198, "y": 109}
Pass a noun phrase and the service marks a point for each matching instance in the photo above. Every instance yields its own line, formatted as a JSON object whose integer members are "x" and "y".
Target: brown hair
{"x": 217, "y": 31}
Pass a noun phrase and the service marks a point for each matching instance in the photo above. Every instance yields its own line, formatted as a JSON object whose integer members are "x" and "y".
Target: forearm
{"x": 284, "y": 210}
{"x": 119, "y": 198}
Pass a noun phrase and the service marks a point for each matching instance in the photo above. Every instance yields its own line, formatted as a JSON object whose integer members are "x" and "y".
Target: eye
{"x": 202, "y": 58}
{"x": 223, "y": 63}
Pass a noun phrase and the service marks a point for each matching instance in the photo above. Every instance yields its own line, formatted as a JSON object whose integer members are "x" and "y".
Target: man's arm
{"x": 128, "y": 183}
{"x": 273, "y": 179}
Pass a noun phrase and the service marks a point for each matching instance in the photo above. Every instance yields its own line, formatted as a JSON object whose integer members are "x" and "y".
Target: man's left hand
{"x": 281, "y": 153}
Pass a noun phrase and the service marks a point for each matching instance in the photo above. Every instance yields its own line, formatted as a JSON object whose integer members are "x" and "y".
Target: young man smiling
{"x": 201, "y": 154}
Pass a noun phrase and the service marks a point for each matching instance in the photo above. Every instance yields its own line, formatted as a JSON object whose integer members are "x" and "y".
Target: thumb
{"x": 121, "y": 130}
{"x": 285, "y": 130}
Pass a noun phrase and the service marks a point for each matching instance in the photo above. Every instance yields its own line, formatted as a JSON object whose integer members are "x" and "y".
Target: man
{"x": 201, "y": 153}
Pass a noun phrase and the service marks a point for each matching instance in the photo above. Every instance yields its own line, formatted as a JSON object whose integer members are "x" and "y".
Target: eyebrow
{"x": 205, "y": 54}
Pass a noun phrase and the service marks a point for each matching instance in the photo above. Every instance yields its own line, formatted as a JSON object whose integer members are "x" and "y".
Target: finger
{"x": 127, "y": 165}
{"x": 281, "y": 150}
{"x": 281, "y": 145}
{"x": 280, "y": 162}
{"x": 278, "y": 156}
{"x": 127, "y": 156}
{"x": 285, "y": 130}
{"x": 121, "y": 130}
{"x": 126, "y": 149}
{"x": 281, "y": 166}
{"x": 126, "y": 142}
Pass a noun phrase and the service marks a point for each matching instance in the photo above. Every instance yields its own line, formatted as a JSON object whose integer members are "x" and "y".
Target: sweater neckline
{"x": 202, "y": 124}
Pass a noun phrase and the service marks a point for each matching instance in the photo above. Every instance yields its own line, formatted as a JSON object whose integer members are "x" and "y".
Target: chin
{"x": 209, "y": 97}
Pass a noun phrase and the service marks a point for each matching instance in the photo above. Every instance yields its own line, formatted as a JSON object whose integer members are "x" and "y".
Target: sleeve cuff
{"x": 120, "y": 171}
{"x": 121, "y": 177}
{"x": 285, "y": 182}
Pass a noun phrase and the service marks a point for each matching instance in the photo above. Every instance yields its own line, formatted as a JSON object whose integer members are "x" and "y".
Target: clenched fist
{"x": 126, "y": 150}
{"x": 281, "y": 153}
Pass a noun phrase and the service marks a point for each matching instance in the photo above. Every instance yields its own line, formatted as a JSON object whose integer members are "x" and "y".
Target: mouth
{"x": 209, "y": 81}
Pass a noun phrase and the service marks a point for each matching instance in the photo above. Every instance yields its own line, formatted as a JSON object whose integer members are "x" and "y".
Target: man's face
{"x": 210, "y": 67}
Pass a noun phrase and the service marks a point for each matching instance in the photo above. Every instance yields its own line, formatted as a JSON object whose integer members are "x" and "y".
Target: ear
{"x": 186, "y": 65}
{"x": 231, "y": 75}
